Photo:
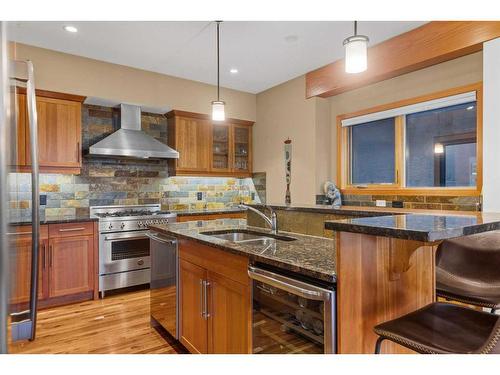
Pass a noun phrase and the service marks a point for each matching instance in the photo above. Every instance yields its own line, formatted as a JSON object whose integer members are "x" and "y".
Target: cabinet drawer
{"x": 71, "y": 229}
{"x": 234, "y": 267}
{"x": 25, "y": 231}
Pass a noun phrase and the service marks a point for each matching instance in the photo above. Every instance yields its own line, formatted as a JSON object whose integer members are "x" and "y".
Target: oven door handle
{"x": 296, "y": 287}
{"x": 126, "y": 237}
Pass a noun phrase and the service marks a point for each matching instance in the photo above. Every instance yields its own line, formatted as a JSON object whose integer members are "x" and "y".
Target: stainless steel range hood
{"x": 131, "y": 141}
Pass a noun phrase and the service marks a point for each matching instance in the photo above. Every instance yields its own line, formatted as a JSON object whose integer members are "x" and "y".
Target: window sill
{"x": 462, "y": 192}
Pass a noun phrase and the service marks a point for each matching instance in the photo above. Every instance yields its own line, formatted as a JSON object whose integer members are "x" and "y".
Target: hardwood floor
{"x": 116, "y": 324}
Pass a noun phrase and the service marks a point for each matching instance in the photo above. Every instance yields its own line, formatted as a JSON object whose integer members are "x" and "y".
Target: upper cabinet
{"x": 209, "y": 148}
{"x": 59, "y": 132}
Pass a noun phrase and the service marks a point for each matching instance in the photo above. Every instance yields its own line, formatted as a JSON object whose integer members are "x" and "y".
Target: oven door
{"x": 119, "y": 252}
{"x": 291, "y": 316}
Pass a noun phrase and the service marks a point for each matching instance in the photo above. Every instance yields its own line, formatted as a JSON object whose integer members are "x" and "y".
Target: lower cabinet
{"x": 66, "y": 264}
{"x": 215, "y": 300}
{"x": 71, "y": 263}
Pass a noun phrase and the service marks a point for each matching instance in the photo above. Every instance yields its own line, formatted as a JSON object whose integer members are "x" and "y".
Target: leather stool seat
{"x": 443, "y": 328}
{"x": 468, "y": 269}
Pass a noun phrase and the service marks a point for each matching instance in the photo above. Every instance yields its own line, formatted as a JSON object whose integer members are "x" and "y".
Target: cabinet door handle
{"x": 44, "y": 265}
{"x": 71, "y": 229}
{"x": 50, "y": 256}
{"x": 202, "y": 298}
{"x": 78, "y": 151}
{"x": 205, "y": 294}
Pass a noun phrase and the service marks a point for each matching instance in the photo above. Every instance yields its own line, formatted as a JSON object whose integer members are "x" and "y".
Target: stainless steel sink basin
{"x": 246, "y": 236}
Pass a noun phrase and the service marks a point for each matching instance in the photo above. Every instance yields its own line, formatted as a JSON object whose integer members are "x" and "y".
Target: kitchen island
{"x": 228, "y": 301}
{"x": 386, "y": 268}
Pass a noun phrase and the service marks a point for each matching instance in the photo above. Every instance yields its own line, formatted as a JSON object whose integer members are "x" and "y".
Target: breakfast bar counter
{"x": 386, "y": 268}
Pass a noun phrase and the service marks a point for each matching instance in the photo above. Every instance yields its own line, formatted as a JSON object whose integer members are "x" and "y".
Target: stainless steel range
{"x": 124, "y": 243}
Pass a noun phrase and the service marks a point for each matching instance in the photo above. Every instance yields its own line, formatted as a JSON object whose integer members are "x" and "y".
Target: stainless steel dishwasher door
{"x": 164, "y": 282}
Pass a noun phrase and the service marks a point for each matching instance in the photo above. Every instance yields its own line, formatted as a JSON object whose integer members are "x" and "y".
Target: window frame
{"x": 398, "y": 188}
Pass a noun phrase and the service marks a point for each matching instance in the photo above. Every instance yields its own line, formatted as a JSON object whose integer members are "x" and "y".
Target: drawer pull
{"x": 71, "y": 229}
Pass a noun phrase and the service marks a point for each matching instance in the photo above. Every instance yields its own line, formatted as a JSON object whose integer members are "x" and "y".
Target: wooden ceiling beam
{"x": 429, "y": 44}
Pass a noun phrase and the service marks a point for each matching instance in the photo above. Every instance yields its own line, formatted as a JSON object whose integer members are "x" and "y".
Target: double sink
{"x": 243, "y": 235}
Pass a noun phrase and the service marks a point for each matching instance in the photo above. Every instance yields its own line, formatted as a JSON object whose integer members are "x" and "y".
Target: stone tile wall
{"x": 454, "y": 203}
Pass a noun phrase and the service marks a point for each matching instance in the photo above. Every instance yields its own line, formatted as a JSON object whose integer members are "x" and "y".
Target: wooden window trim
{"x": 397, "y": 188}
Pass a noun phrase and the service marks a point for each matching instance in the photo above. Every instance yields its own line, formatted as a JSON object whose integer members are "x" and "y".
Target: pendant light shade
{"x": 356, "y": 48}
{"x": 218, "y": 106}
{"x": 218, "y": 111}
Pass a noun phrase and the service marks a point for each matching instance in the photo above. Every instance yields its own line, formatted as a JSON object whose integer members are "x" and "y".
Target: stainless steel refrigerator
{"x": 19, "y": 250}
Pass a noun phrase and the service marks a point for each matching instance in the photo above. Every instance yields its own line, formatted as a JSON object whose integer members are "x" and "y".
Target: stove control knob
{"x": 140, "y": 224}
{"x": 122, "y": 226}
{"x": 110, "y": 226}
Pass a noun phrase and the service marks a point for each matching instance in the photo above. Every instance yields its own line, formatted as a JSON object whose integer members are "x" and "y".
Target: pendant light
{"x": 356, "y": 47}
{"x": 218, "y": 110}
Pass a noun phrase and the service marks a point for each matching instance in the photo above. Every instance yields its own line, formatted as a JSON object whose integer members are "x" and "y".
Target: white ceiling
{"x": 265, "y": 53}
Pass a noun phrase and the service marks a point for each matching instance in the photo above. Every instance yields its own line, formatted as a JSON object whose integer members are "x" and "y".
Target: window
{"x": 441, "y": 147}
{"x": 430, "y": 142}
{"x": 372, "y": 152}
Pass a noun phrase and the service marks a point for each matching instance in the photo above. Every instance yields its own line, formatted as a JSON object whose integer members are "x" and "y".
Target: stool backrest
{"x": 492, "y": 345}
{"x": 476, "y": 257}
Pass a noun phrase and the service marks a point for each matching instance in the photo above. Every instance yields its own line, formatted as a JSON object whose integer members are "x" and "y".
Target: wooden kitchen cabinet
{"x": 59, "y": 132}
{"x": 20, "y": 264}
{"x": 242, "y": 149}
{"x": 67, "y": 265}
{"x": 209, "y": 148}
{"x": 193, "y": 326}
{"x": 226, "y": 300}
{"x": 230, "y": 314}
{"x": 191, "y": 138}
{"x": 71, "y": 265}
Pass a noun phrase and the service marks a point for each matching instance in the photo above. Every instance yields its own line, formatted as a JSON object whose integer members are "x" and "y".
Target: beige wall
{"x": 283, "y": 111}
{"x": 63, "y": 72}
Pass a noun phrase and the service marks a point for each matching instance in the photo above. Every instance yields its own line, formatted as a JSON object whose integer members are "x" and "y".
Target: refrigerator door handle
{"x": 26, "y": 329}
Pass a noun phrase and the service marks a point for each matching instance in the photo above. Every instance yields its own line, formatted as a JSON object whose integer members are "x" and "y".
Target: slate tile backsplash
{"x": 109, "y": 181}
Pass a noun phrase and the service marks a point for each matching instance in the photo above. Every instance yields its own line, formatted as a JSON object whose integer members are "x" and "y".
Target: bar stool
{"x": 443, "y": 328}
{"x": 468, "y": 270}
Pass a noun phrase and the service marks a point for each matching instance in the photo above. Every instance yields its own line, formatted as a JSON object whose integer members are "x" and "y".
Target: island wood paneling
{"x": 379, "y": 279}
{"x": 429, "y": 44}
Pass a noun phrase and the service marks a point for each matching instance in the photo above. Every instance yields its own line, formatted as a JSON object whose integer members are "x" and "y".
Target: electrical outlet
{"x": 253, "y": 195}
{"x": 43, "y": 199}
{"x": 199, "y": 195}
{"x": 397, "y": 204}
{"x": 380, "y": 203}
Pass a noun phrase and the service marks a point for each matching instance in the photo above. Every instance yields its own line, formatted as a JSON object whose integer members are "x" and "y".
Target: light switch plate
{"x": 380, "y": 203}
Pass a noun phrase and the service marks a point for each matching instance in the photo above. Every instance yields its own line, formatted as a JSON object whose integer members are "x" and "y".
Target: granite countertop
{"x": 426, "y": 228}
{"x": 208, "y": 211}
{"x": 308, "y": 255}
{"x": 368, "y": 211}
{"x": 53, "y": 220}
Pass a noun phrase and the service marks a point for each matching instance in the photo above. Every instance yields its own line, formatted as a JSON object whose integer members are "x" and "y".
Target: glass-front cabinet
{"x": 242, "y": 148}
{"x": 231, "y": 147}
{"x": 221, "y": 148}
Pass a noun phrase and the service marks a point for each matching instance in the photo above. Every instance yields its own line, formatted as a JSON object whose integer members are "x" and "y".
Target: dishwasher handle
{"x": 288, "y": 284}
{"x": 157, "y": 237}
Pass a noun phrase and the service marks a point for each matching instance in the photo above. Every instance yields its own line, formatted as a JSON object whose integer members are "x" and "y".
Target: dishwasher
{"x": 164, "y": 296}
{"x": 291, "y": 314}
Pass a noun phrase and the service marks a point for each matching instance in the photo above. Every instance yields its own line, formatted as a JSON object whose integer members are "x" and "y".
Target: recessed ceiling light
{"x": 70, "y": 29}
{"x": 291, "y": 38}
{"x": 233, "y": 71}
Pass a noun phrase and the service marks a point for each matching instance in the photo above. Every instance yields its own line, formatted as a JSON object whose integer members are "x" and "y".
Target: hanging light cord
{"x": 218, "y": 67}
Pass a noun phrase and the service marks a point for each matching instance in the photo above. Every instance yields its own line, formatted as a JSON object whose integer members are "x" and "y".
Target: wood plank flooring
{"x": 118, "y": 324}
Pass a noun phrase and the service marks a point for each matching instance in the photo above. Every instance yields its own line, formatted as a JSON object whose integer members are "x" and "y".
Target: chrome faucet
{"x": 272, "y": 222}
